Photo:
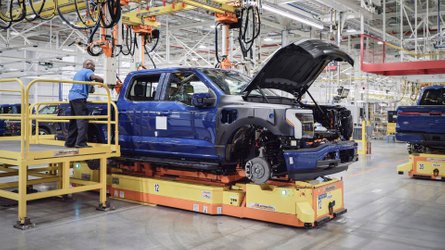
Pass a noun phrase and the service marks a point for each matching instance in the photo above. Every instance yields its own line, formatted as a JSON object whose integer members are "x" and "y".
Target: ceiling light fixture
{"x": 292, "y": 16}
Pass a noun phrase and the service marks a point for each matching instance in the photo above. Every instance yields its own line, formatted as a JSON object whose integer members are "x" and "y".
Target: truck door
{"x": 136, "y": 119}
{"x": 182, "y": 129}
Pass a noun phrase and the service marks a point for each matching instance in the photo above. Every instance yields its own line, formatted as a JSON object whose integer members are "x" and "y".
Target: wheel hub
{"x": 258, "y": 170}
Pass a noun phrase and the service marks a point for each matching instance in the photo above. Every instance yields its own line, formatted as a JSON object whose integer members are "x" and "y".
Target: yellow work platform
{"x": 37, "y": 159}
{"x": 298, "y": 204}
{"x": 430, "y": 166}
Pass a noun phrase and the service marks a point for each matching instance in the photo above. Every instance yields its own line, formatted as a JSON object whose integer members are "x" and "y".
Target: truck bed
{"x": 423, "y": 124}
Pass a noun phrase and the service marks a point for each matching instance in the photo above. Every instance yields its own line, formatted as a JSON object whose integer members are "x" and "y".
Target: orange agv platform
{"x": 298, "y": 204}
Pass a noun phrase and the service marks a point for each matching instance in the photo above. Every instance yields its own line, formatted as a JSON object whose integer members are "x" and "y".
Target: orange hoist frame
{"x": 226, "y": 18}
{"x": 124, "y": 2}
{"x": 144, "y": 30}
{"x": 226, "y": 64}
{"x": 107, "y": 45}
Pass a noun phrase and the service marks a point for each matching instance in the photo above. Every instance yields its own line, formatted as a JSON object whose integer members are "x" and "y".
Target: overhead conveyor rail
{"x": 45, "y": 159}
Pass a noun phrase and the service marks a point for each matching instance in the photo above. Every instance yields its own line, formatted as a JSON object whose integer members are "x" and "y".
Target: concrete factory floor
{"x": 385, "y": 211}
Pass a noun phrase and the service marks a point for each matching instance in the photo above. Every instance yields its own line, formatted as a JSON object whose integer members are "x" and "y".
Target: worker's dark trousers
{"x": 78, "y": 129}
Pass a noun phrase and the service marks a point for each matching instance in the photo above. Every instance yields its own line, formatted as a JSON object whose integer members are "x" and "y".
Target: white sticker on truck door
{"x": 161, "y": 122}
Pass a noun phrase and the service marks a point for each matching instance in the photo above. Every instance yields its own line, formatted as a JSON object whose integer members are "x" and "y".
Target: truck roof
{"x": 9, "y": 105}
{"x": 434, "y": 87}
{"x": 169, "y": 69}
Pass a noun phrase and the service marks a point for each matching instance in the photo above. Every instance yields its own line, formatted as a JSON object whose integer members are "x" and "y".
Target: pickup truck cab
{"x": 214, "y": 120}
{"x": 423, "y": 125}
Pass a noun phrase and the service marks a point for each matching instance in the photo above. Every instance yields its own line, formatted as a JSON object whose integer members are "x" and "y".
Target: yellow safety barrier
{"x": 45, "y": 150}
{"x": 366, "y": 145}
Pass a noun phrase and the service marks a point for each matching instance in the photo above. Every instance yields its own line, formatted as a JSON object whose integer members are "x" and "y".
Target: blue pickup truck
{"x": 210, "y": 119}
{"x": 423, "y": 125}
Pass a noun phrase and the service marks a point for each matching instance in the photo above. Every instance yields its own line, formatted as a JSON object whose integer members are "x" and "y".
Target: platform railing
{"x": 62, "y": 119}
{"x": 374, "y": 50}
{"x": 51, "y": 118}
{"x": 27, "y": 117}
{"x": 19, "y": 117}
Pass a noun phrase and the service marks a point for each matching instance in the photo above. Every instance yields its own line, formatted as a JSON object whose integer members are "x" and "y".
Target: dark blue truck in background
{"x": 423, "y": 125}
{"x": 214, "y": 120}
{"x": 13, "y": 127}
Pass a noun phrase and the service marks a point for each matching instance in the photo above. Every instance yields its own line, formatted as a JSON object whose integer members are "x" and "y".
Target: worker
{"x": 78, "y": 129}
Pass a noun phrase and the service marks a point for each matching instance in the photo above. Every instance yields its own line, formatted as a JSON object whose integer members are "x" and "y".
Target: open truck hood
{"x": 295, "y": 67}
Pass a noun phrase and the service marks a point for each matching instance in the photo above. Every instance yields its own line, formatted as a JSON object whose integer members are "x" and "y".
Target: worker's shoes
{"x": 82, "y": 146}
{"x": 69, "y": 146}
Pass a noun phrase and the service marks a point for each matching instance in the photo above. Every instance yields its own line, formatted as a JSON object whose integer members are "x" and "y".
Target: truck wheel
{"x": 93, "y": 164}
{"x": 43, "y": 131}
{"x": 258, "y": 170}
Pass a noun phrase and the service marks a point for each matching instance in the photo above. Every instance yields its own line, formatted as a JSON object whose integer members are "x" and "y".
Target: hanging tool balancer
{"x": 245, "y": 18}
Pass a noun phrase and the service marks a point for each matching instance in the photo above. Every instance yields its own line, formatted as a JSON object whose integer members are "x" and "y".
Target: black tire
{"x": 258, "y": 170}
{"x": 93, "y": 164}
{"x": 93, "y": 135}
{"x": 44, "y": 131}
{"x": 347, "y": 127}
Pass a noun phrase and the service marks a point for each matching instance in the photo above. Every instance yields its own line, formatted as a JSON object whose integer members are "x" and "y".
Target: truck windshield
{"x": 433, "y": 97}
{"x": 230, "y": 82}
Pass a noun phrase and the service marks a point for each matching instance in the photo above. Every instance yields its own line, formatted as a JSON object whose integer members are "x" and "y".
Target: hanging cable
{"x": 109, "y": 8}
{"x": 92, "y": 48}
{"x": 250, "y": 21}
{"x": 74, "y": 26}
{"x": 114, "y": 11}
{"x": 151, "y": 59}
{"x": 13, "y": 19}
{"x": 91, "y": 8}
{"x": 218, "y": 60}
{"x": 148, "y": 38}
{"x": 36, "y": 13}
{"x": 129, "y": 41}
{"x": 84, "y": 22}
{"x": 2, "y": 17}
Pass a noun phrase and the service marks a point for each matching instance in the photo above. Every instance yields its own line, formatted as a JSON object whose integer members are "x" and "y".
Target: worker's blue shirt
{"x": 80, "y": 91}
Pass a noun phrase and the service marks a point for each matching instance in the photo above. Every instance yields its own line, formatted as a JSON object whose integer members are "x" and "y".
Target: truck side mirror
{"x": 202, "y": 100}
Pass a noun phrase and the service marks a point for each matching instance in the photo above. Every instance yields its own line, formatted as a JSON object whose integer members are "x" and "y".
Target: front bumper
{"x": 310, "y": 163}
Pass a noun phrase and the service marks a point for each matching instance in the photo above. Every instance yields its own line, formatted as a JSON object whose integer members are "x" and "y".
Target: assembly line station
{"x": 304, "y": 124}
